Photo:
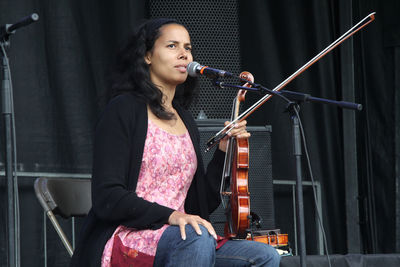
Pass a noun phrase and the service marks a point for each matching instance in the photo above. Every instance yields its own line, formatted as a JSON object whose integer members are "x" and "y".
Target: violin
{"x": 236, "y": 197}
{"x": 272, "y": 239}
{"x": 234, "y": 189}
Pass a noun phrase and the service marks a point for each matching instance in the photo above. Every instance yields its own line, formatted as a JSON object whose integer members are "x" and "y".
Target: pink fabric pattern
{"x": 168, "y": 166}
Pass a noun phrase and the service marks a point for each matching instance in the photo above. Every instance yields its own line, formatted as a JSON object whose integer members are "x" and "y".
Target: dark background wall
{"x": 58, "y": 67}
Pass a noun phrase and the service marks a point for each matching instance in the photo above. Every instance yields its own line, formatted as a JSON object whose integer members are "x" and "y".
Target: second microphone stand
{"x": 293, "y": 109}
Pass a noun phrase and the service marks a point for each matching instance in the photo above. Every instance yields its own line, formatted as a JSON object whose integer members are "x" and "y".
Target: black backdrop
{"x": 58, "y": 68}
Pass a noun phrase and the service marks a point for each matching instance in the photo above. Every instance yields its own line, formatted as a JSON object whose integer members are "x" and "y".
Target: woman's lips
{"x": 181, "y": 68}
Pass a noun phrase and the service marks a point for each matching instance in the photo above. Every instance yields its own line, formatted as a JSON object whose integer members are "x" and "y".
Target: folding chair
{"x": 67, "y": 197}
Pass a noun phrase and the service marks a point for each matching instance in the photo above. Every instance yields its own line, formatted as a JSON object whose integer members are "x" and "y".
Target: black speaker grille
{"x": 214, "y": 29}
{"x": 260, "y": 176}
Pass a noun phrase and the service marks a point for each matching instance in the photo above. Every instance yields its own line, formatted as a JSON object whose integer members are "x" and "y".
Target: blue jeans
{"x": 199, "y": 250}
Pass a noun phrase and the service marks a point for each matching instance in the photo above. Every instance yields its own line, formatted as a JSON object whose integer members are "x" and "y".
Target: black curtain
{"x": 58, "y": 71}
{"x": 278, "y": 37}
{"x": 376, "y": 72}
{"x": 59, "y": 65}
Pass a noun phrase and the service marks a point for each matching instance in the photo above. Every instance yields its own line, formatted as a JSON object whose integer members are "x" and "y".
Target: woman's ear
{"x": 147, "y": 58}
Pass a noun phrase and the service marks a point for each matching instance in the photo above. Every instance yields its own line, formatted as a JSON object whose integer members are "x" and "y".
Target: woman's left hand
{"x": 239, "y": 131}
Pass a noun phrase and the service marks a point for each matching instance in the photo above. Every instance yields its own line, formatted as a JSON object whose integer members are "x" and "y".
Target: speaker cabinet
{"x": 260, "y": 176}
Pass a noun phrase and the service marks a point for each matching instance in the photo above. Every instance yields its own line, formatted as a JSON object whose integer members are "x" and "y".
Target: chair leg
{"x": 73, "y": 232}
{"x": 60, "y": 232}
{"x": 45, "y": 238}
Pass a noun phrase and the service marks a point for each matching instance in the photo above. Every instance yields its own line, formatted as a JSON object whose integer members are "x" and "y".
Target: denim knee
{"x": 199, "y": 249}
{"x": 247, "y": 253}
{"x": 271, "y": 255}
{"x": 203, "y": 242}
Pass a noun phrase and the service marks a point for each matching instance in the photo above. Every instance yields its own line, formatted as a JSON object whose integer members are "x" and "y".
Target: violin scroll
{"x": 248, "y": 77}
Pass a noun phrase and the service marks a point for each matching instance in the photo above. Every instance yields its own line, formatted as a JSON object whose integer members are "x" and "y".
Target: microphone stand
{"x": 293, "y": 109}
{"x": 7, "y": 112}
{"x": 294, "y": 99}
{"x": 290, "y": 96}
{"x": 13, "y": 231}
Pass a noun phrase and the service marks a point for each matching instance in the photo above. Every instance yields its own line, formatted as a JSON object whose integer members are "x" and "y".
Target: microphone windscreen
{"x": 191, "y": 68}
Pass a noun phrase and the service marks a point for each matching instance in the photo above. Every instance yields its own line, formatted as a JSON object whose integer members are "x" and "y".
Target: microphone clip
{"x": 218, "y": 83}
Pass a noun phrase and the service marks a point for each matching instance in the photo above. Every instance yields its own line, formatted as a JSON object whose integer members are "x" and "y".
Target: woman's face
{"x": 169, "y": 57}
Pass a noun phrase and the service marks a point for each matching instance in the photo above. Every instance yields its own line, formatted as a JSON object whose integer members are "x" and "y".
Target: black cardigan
{"x": 118, "y": 150}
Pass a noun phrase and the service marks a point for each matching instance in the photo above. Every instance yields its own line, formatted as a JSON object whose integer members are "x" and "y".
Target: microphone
{"x": 194, "y": 69}
{"x": 8, "y": 29}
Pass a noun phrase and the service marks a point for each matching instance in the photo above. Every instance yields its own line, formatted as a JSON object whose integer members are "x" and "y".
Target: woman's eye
{"x": 171, "y": 45}
{"x": 188, "y": 48}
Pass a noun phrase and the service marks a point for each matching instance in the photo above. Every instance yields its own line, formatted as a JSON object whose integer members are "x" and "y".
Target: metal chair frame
{"x": 67, "y": 197}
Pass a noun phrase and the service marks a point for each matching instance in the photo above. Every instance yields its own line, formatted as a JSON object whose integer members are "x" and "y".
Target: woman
{"x": 151, "y": 196}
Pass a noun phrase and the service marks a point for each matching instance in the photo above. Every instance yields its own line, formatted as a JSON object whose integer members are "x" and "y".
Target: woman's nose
{"x": 183, "y": 54}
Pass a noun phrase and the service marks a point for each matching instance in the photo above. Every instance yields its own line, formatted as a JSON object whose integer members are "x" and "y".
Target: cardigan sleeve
{"x": 118, "y": 145}
{"x": 213, "y": 177}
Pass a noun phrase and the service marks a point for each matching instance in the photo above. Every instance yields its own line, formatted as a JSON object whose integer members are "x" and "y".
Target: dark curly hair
{"x": 130, "y": 73}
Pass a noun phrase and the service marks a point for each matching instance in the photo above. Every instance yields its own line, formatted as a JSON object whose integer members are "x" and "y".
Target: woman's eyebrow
{"x": 176, "y": 42}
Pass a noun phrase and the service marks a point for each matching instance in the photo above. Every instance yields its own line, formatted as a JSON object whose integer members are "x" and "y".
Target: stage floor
{"x": 349, "y": 260}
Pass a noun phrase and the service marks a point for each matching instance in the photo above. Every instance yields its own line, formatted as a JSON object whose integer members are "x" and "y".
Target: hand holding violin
{"x": 239, "y": 131}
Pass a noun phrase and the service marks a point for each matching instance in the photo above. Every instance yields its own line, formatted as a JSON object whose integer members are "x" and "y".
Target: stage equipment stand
{"x": 295, "y": 99}
{"x": 296, "y": 135}
{"x": 7, "y": 119}
{"x": 13, "y": 233}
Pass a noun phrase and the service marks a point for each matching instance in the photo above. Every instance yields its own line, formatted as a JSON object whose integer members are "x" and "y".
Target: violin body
{"x": 240, "y": 197}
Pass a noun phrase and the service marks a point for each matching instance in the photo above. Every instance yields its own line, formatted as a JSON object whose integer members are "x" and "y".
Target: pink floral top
{"x": 168, "y": 166}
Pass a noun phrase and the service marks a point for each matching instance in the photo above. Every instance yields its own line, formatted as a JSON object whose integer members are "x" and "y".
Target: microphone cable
{"x": 313, "y": 185}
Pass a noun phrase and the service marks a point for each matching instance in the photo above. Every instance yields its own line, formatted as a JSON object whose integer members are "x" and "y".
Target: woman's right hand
{"x": 181, "y": 219}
